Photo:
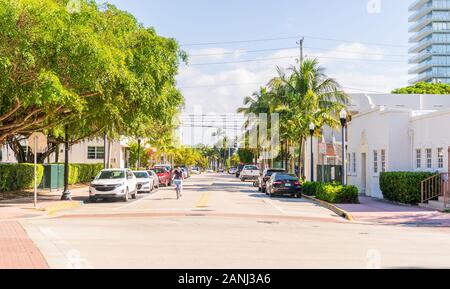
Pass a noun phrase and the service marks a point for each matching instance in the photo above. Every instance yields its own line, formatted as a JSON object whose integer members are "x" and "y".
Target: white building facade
{"x": 89, "y": 151}
{"x": 403, "y": 135}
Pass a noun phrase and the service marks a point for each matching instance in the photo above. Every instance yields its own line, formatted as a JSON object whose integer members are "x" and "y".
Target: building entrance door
{"x": 364, "y": 174}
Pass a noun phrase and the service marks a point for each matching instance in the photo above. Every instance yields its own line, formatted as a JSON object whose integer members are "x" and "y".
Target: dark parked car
{"x": 265, "y": 176}
{"x": 284, "y": 184}
{"x": 239, "y": 170}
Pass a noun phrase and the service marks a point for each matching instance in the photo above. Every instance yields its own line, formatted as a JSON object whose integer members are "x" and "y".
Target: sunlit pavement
{"x": 221, "y": 222}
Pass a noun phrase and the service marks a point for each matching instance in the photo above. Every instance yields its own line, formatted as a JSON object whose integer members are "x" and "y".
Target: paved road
{"x": 223, "y": 223}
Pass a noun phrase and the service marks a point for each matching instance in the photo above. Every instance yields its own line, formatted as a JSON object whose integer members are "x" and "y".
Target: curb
{"x": 338, "y": 211}
{"x": 52, "y": 210}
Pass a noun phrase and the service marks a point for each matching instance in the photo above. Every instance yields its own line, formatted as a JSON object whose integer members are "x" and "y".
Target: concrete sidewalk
{"x": 48, "y": 202}
{"x": 383, "y": 212}
{"x": 17, "y": 250}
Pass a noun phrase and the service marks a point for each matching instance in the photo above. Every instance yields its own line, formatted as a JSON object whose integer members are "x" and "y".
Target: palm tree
{"x": 262, "y": 101}
{"x": 307, "y": 95}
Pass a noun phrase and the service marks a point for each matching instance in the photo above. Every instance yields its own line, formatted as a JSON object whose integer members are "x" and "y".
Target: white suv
{"x": 113, "y": 183}
{"x": 250, "y": 172}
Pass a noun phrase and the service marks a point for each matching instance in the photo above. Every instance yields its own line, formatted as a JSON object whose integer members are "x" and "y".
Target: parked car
{"x": 185, "y": 172}
{"x": 209, "y": 171}
{"x": 265, "y": 176}
{"x": 249, "y": 172}
{"x": 284, "y": 184}
{"x": 155, "y": 178}
{"x": 195, "y": 170}
{"x": 163, "y": 175}
{"x": 144, "y": 182}
{"x": 221, "y": 170}
{"x": 113, "y": 183}
{"x": 232, "y": 171}
{"x": 239, "y": 170}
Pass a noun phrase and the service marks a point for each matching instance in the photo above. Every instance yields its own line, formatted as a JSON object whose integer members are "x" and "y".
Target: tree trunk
{"x": 299, "y": 163}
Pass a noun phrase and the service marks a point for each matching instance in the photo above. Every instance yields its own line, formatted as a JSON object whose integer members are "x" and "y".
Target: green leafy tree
{"x": 424, "y": 88}
{"x": 95, "y": 71}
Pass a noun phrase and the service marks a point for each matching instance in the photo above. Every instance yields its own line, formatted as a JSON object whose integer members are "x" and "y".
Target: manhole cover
{"x": 268, "y": 222}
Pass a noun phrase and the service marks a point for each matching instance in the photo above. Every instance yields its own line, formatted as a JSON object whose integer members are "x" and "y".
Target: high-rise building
{"x": 431, "y": 41}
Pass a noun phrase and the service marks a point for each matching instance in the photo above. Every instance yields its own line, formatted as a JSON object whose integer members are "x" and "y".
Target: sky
{"x": 363, "y": 44}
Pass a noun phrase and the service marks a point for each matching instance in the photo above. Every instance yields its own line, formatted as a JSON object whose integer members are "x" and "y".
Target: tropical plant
{"x": 301, "y": 96}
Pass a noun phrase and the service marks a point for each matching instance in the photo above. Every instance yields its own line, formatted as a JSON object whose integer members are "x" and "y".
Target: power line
{"x": 241, "y": 61}
{"x": 292, "y": 48}
{"x": 294, "y": 56}
{"x": 290, "y": 38}
{"x": 238, "y": 41}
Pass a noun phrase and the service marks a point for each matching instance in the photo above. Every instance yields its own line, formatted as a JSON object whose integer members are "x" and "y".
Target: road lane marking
{"x": 132, "y": 202}
{"x": 203, "y": 201}
{"x": 275, "y": 206}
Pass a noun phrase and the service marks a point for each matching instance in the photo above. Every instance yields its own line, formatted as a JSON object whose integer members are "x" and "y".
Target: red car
{"x": 164, "y": 176}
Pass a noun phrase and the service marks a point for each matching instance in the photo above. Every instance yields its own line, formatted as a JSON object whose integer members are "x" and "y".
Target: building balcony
{"x": 417, "y": 5}
{"x": 427, "y": 76}
{"x": 426, "y": 20}
{"x": 417, "y": 69}
{"x": 425, "y": 43}
{"x": 427, "y": 31}
{"x": 426, "y": 65}
{"x": 428, "y": 8}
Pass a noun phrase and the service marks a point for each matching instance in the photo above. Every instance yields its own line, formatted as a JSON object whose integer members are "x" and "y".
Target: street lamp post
{"x": 343, "y": 117}
{"x": 66, "y": 196}
{"x": 139, "y": 153}
{"x": 312, "y": 129}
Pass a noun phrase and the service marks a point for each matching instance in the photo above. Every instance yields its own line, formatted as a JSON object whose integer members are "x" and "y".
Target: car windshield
{"x": 141, "y": 175}
{"x": 286, "y": 177}
{"x": 151, "y": 173}
{"x": 252, "y": 168}
{"x": 108, "y": 175}
{"x": 159, "y": 170}
{"x": 271, "y": 172}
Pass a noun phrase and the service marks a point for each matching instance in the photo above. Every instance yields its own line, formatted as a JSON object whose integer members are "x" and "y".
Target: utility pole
{"x": 300, "y": 43}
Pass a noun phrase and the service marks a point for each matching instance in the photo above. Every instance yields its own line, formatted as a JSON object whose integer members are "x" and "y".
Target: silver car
{"x": 144, "y": 182}
{"x": 155, "y": 178}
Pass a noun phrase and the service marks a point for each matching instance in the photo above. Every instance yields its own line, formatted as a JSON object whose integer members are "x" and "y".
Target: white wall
{"x": 432, "y": 131}
{"x": 377, "y": 130}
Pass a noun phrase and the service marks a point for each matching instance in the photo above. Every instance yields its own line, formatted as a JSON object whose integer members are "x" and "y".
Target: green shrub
{"x": 332, "y": 193}
{"x": 403, "y": 187}
{"x": 311, "y": 188}
{"x": 83, "y": 173}
{"x": 338, "y": 194}
{"x": 14, "y": 177}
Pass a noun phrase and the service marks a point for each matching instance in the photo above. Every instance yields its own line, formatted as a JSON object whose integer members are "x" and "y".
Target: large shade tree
{"x": 96, "y": 71}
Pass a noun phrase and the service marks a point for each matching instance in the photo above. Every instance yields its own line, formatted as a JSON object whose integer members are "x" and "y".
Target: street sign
{"x": 37, "y": 142}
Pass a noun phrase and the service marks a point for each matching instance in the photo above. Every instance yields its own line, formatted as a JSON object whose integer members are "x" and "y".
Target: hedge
{"x": 14, "y": 177}
{"x": 403, "y": 187}
{"x": 332, "y": 193}
{"x": 310, "y": 188}
{"x": 338, "y": 194}
{"x": 83, "y": 173}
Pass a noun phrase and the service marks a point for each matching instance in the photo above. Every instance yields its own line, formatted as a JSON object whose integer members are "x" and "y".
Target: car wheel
{"x": 264, "y": 190}
{"x": 92, "y": 199}
{"x": 299, "y": 196}
{"x": 126, "y": 197}
{"x": 259, "y": 189}
{"x": 134, "y": 196}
